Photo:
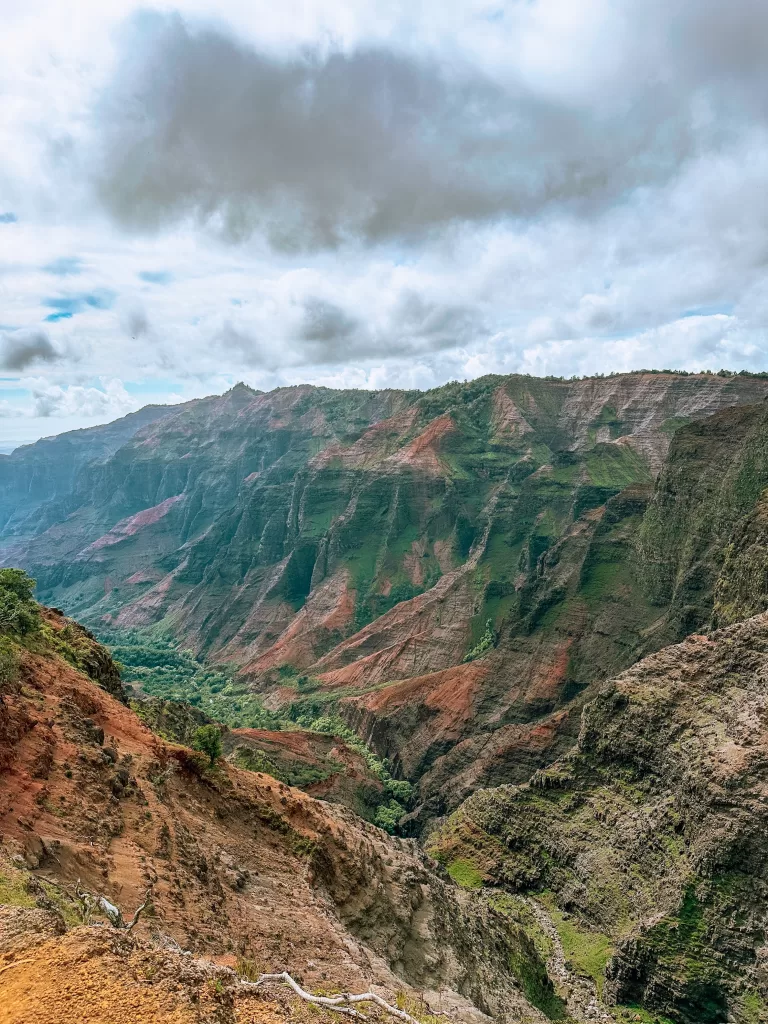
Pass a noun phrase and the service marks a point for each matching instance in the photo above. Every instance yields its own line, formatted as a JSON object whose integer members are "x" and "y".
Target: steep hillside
{"x": 241, "y": 868}
{"x": 647, "y": 842}
{"x": 447, "y": 573}
{"x": 45, "y": 473}
{"x": 706, "y": 508}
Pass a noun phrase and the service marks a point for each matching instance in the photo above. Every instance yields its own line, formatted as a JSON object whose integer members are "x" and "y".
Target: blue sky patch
{"x": 726, "y": 309}
{"x": 79, "y": 302}
{"x": 156, "y": 276}
{"x": 64, "y": 266}
{"x": 8, "y": 218}
{"x": 53, "y": 318}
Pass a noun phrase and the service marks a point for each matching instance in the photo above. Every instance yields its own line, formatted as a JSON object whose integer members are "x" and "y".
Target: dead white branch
{"x": 88, "y": 904}
{"x": 342, "y": 1003}
{"x": 135, "y": 919}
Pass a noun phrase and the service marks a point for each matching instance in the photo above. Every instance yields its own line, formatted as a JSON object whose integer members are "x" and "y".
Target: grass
{"x": 13, "y": 891}
{"x": 612, "y": 466}
{"x": 465, "y": 874}
{"x": 753, "y": 1008}
{"x": 603, "y": 579}
{"x": 587, "y": 951}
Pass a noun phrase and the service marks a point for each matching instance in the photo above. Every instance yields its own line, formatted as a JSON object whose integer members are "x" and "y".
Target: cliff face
{"x": 46, "y": 472}
{"x": 451, "y": 571}
{"x": 650, "y": 835}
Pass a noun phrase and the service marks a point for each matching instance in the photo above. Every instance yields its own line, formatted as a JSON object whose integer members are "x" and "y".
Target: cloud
{"x": 454, "y": 189}
{"x": 20, "y": 349}
{"x": 134, "y": 321}
{"x": 9, "y": 411}
{"x": 326, "y": 322}
{"x": 318, "y": 147}
{"x": 109, "y": 402}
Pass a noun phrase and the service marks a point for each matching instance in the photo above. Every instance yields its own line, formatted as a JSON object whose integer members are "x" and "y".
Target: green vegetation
{"x": 397, "y": 792}
{"x": 633, "y": 1014}
{"x": 588, "y": 951}
{"x": 754, "y": 1009}
{"x": 465, "y": 874}
{"x": 9, "y": 661}
{"x": 292, "y": 774}
{"x": 14, "y": 891}
{"x": 19, "y": 612}
{"x": 156, "y": 664}
{"x": 528, "y": 961}
{"x": 486, "y": 642}
{"x": 207, "y": 740}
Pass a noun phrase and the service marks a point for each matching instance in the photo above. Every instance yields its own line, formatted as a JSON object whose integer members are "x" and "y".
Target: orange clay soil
{"x": 96, "y": 975}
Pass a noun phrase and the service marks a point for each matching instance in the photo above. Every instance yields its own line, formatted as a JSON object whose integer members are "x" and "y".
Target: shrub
{"x": 9, "y": 661}
{"x": 17, "y": 582}
{"x": 19, "y": 613}
{"x": 485, "y": 643}
{"x": 388, "y": 815}
{"x": 207, "y": 740}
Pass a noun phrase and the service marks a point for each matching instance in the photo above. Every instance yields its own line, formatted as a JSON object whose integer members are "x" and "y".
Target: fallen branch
{"x": 341, "y": 1003}
{"x": 135, "y": 919}
{"x": 90, "y": 904}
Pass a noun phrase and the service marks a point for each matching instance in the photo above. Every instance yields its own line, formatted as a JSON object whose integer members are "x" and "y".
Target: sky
{"x": 372, "y": 194}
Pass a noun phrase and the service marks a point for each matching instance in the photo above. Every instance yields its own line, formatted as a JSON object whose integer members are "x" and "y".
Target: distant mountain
{"x": 450, "y": 573}
{"x": 32, "y": 475}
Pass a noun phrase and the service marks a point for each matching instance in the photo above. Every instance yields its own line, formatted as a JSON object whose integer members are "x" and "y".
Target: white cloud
{"x": 105, "y": 403}
{"x": 618, "y": 217}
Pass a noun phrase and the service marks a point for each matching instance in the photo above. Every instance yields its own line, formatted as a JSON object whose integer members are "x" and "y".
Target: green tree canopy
{"x": 207, "y": 739}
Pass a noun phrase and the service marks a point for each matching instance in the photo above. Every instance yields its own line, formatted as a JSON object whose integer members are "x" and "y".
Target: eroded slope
{"x": 648, "y": 840}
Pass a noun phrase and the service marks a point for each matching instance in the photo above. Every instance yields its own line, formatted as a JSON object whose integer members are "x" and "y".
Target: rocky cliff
{"x": 647, "y": 841}
{"x": 448, "y": 573}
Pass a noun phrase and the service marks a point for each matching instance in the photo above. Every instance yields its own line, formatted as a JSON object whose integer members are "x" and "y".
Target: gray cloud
{"x": 20, "y": 349}
{"x": 326, "y": 322}
{"x": 413, "y": 325}
{"x": 437, "y": 325}
{"x": 134, "y": 321}
{"x": 314, "y": 149}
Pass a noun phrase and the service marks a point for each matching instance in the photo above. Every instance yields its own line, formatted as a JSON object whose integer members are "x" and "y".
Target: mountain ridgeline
{"x": 448, "y": 574}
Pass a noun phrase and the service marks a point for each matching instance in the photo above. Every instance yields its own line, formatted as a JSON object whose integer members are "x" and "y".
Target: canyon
{"x": 519, "y": 624}
{"x": 450, "y": 573}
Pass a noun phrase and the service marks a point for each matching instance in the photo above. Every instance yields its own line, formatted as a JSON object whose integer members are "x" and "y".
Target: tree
{"x": 19, "y": 614}
{"x": 17, "y": 581}
{"x": 207, "y": 739}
